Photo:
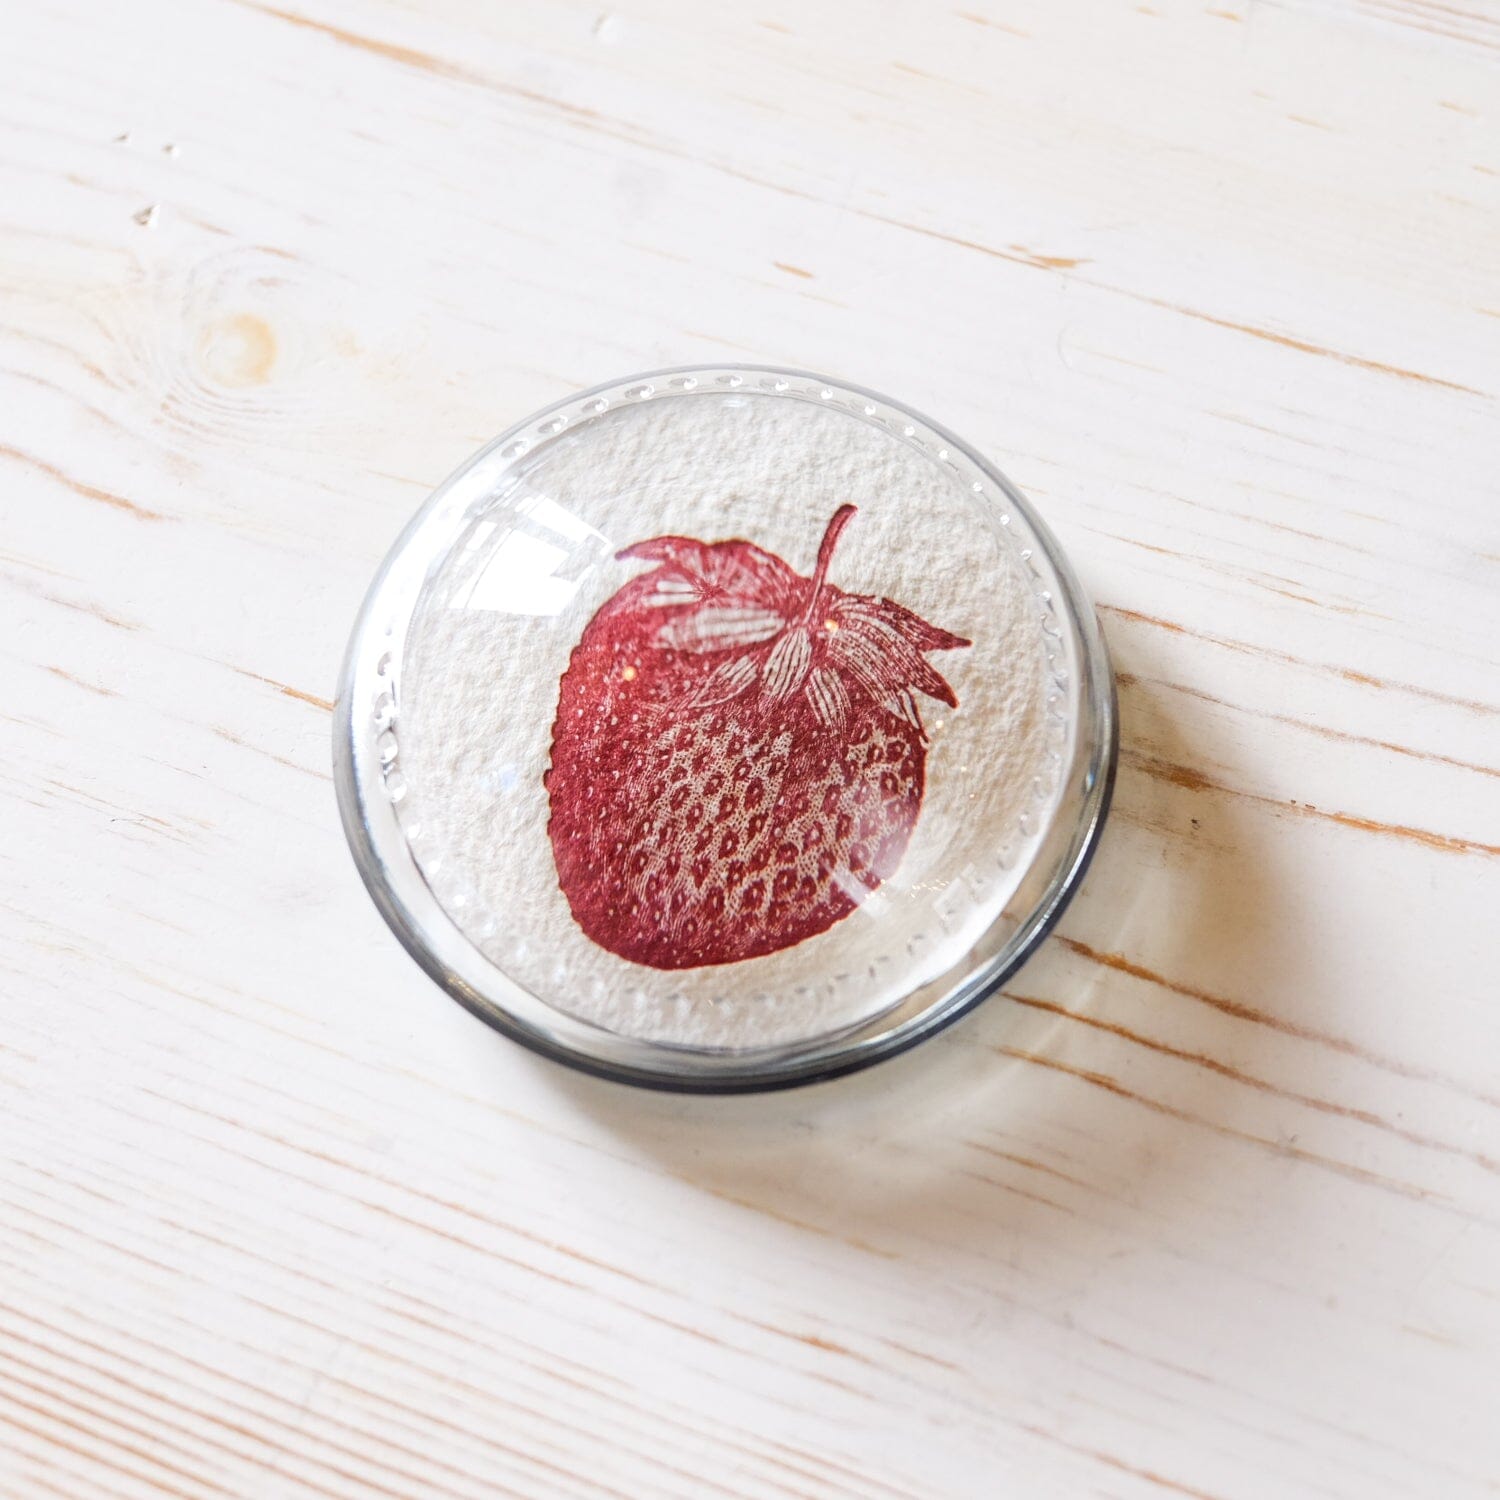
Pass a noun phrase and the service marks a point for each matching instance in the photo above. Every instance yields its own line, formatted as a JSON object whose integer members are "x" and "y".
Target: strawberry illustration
{"x": 738, "y": 758}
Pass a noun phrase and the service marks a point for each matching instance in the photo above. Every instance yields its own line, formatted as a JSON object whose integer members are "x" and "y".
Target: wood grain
{"x": 1207, "y": 1205}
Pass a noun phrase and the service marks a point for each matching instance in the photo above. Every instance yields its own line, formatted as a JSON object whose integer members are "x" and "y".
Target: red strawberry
{"x": 737, "y": 759}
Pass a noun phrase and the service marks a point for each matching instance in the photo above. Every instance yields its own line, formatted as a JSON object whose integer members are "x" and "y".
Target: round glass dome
{"x": 723, "y": 728}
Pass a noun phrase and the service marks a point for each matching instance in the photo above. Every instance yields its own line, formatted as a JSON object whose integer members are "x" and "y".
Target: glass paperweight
{"x": 724, "y": 729}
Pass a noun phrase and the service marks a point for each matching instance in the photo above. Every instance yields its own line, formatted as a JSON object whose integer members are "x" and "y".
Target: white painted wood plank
{"x": 1208, "y": 1206}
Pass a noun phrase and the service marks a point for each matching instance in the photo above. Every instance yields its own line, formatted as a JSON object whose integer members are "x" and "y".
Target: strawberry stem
{"x": 840, "y": 519}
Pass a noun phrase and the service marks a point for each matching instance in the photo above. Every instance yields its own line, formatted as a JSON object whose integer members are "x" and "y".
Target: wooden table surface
{"x": 1208, "y": 1205}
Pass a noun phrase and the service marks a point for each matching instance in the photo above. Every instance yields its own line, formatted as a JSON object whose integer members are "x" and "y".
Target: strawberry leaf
{"x": 880, "y": 644}
{"x": 730, "y": 573}
{"x": 724, "y": 596}
{"x": 793, "y": 636}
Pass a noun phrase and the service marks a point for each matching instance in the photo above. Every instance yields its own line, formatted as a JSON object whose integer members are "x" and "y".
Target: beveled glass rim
{"x": 366, "y": 779}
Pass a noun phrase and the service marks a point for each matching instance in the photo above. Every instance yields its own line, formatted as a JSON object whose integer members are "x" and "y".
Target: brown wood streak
{"x": 410, "y": 57}
{"x": 1286, "y": 437}
{"x": 1452, "y": 10}
{"x": 1016, "y": 254}
{"x": 1253, "y": 576}
{"x": 329, "y": 1286}
{"x": 1016, "y": 1192}
{"x": 1192, "y": 780}
{"x": 52, "y": 1447}
{"x": 96, "y": 610}
{"x": 462, "y": 1210}
{"x": 216, "y": 1420}
{"x": 991, "y": 23}
{"x": 465, "y": 1211}
{"x": 812, "y": 1340}
{"x": 655, "y": 1411}
{"x": 1415, "y": 15}
{"x": 287, "y": 1314}
{"x": 87, "y": 799}
{"x": 7, "y": 1413}
{"x": 1118, "y": 1463}
{"x": 1271, "y": 654}
{"x": 297, "y": 1447}
{"x": 89, "y": 687}
{"x": 1250, "y": 1080}
{"x": 74, "y": 401}
{"x": 932, "y": 1359}
{"x": 1303, "y": 346}
{"x": 1131, "y": 680}
{"x": 299, "y": 694}
{"x": 1064, "y": 263}
{"x": 1032, "y": 1164}
{"x": 1427, "y": 1333}
{"x": 1345, "y": 1169}
{"x": 33, "y": 337}
{"x": 793, "y": 1222}
{"x": 1242, "y": 1012}
{"x": 1200, "y": 1377}
{"x": 791, "y": 270}
{"x": 88, "y": 491}
{"x": 280, "y": 760}
{"x": 87, "y": 1403}
{"x": 39, "y": 567}
{"x": 652, "y": 1456}
{"x": 424, "y": 62}
{"x": 49, "y": 1487}
{"x": 865, "y": 1478}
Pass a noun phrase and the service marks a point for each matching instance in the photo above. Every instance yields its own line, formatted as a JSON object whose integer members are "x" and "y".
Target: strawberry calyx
{"x": 794, "y": 639}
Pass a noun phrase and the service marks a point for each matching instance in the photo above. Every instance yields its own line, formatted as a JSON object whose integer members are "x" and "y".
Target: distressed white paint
{"x": 1220, "y": 285}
